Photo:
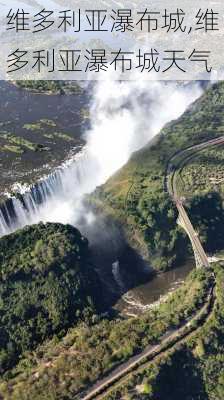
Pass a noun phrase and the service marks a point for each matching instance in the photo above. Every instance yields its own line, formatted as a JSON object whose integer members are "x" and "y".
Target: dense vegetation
{"x": 136, "y": 194}
{"x": 203, "y": 173}
{"x": 207, "y": 215}
{"x": 193, "y": 369}
{"x": 53, "y": 87}
{"x": 46, "y": 285}
{"x": 199, "y": 180}
{"x": 87, "y": 352}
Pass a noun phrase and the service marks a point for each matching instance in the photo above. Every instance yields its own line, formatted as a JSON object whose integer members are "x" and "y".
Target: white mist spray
{"x": 125, "y": 116}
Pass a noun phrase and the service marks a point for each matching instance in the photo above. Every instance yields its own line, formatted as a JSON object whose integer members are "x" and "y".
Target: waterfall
{"x": 40, "y": 202}
{"x": 124, "y": 117}
{"x": 117, "y": 275}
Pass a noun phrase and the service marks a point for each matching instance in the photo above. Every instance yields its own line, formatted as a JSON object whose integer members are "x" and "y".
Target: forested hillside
{"x": 136, "y": 195}
{"x": 46, "y": 285}
{"x": 193, "y": 369}
{"x": 62, "y": 369}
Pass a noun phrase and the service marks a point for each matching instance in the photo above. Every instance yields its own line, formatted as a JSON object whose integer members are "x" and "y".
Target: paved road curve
{"x": 171, "y": 338}
{"x": 99, "y": 390}
{"x": 172, "y": 190}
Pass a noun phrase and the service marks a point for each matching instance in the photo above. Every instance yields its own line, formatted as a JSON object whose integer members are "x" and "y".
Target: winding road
{"x": 101, "y": 388}
{"x": 171, "y": 187}
{"x": 169, "y": 340}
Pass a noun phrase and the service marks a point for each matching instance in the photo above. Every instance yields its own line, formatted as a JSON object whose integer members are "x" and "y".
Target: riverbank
{"x": 87, "y": 353}
{"x": 154, "y": 292}
{"x": 37, "y": 133}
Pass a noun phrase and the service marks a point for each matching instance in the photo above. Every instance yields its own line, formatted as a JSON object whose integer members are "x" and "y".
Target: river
{"x": 19, "y": 108}
{"x": 153, "y": 291}
{"x": 58, "y": 198}
{"x": 129, "y": 285}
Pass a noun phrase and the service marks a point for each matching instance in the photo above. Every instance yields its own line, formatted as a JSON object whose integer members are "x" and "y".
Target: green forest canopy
{"x": 46, "y": 285}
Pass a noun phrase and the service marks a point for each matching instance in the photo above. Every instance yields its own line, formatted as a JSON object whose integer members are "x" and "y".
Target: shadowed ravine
{"x": 120, "y": 124}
